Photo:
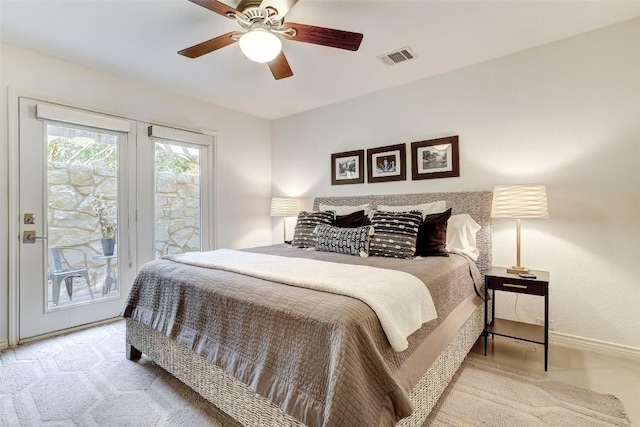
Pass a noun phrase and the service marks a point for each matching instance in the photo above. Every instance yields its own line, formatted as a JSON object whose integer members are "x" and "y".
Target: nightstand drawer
{"x": 522, "y": 286}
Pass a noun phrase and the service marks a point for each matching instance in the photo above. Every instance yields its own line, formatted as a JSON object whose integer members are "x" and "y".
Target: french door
{"x": 75, "y": 223}
{"x": 175, "y": 191}
{"x": 99, "y": 196}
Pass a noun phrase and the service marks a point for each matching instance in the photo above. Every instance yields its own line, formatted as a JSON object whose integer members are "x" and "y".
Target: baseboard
{"x": 4, "y": 344}
{"x": 581, "y": 343}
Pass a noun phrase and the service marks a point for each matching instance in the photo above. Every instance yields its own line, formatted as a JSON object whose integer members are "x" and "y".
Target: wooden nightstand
{"x": 497, "y": 279}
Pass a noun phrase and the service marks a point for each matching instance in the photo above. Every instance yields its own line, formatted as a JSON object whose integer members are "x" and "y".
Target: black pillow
{"x": 352, "y": 220}
{"x": 432, "y": 235}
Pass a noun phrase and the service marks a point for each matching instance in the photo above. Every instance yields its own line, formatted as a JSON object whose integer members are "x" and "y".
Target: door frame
{"x": 14, "y": 215}
{"x": 13, "y": 205}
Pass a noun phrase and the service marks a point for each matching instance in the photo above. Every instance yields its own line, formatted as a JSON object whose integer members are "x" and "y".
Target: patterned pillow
{"x": 303, "y": 235}
{"x": 395, "y": 234}
{"x": 350, "y": 241}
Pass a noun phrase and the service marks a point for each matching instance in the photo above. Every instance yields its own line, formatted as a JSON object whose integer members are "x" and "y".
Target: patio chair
{"x": 60, "y": 270}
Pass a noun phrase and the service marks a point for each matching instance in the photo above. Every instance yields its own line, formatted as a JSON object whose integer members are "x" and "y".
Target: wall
{"x": 566, "y": 114}
{"x": 243, "y": 169}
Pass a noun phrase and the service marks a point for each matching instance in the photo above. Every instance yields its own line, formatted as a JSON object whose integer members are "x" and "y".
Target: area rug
{"x": 84, "y": 379}
{"x": 486, "y": 394}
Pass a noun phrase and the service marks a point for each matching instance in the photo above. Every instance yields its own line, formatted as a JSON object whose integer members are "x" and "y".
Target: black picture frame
{"x": 387, "y": 163}
{"x": 347, "y": 167}
{"x": 435, "y": 158}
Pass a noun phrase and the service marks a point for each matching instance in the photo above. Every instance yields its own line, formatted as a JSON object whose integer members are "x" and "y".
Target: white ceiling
{"x": 138, "y": 39}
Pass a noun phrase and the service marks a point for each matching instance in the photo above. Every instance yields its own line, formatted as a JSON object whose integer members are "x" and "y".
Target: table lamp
{"x": 284, "y": 207}
{"x": 519, "y": 202}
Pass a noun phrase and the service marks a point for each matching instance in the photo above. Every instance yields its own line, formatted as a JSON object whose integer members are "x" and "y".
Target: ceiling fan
{"x": 263, "y": 25}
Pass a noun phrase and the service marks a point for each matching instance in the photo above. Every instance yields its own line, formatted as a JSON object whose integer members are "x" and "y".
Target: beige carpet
{"x": 84, "y": 379}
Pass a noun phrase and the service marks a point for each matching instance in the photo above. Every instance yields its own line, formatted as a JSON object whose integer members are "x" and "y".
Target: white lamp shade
{"x": 260, "y": 45}
{"x": 520, "y": 201}
{"x": 284, "y": 206}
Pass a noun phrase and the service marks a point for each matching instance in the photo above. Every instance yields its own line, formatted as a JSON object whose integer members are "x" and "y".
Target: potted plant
{"x": 108, "y": 223}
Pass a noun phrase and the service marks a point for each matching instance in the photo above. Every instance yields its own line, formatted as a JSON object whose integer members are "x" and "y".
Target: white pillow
{"x": 345, "y": 210}
{"x": 461, "y": 236}
{"x": 425, "y": 208}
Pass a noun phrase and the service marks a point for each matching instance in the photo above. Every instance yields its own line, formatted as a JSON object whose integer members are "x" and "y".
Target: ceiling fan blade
{"x": 325, "y": 36}
{"x": 210, "y": 45}
{"x": 282, "y": 6}
{"x": 215, "y": 6}
{"x": 280, "y": 67}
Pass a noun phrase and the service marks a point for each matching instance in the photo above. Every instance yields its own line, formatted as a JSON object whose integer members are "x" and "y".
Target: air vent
{"x": 397, "y": 56}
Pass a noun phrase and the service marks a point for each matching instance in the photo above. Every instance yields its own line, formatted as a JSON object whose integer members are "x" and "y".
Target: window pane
{"x": 82, "y": 198}
{"x": 177, "y": 199}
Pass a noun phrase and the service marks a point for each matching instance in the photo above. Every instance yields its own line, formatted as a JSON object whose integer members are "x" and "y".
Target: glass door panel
{"x": 178, "y": 201}
{"x": 82, "y": 221}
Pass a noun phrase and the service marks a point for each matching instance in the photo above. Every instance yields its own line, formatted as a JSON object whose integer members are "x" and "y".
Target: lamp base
{"x": 516, "y": 269}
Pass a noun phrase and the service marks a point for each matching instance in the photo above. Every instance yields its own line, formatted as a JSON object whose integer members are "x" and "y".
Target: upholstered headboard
{"x": 475, "y": 203}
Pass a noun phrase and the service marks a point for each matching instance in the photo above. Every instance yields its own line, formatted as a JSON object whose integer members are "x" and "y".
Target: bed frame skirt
{"x": 250, "y": 409}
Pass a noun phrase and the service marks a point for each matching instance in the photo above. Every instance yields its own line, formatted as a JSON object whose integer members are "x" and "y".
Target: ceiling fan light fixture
{"x": 260, "y": 45}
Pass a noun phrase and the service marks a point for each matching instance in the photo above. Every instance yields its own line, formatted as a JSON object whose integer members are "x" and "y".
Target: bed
{"x": 320, "y": 366}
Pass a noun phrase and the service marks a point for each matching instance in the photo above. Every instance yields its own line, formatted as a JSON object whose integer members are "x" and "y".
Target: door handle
{"x": 30, "y": 237}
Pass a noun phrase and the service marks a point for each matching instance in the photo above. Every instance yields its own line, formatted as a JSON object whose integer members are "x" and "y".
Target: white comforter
{"x": 400, "y": 300}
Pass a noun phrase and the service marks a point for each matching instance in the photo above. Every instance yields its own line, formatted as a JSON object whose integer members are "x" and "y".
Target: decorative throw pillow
{"x": 355, "y": 219}
{"x": 350, "y": 241}
{"x": 395, "y": 234}
{"x": 303, "y": 234}
{"x": 432, "y": 235}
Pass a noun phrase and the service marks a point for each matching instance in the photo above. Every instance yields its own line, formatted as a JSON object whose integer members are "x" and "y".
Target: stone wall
{"x": 74, "y": 223}
{"x": 177, "y": 213}
{"x": 72, "y": 220}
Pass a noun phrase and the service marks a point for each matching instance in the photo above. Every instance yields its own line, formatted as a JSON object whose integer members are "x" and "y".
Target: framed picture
{"x": 387, "y": 163}
{"x": 435, "y": 158}
{"x": 346, "y": 168}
